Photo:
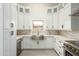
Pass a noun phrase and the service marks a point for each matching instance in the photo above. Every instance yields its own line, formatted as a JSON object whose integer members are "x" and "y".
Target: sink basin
{"x": 37, "y": 37}
{"x": 34, "y": 37}
{"x": 41, "y": 37}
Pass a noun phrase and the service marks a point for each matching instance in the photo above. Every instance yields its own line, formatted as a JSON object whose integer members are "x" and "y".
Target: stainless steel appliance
{"x": 71, "y": 48}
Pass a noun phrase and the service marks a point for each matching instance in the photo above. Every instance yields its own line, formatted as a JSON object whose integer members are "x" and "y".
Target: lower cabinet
{"x": 50, "y": 42}
{"x": 19, "y": 46}
{"x": 47, "y": 43}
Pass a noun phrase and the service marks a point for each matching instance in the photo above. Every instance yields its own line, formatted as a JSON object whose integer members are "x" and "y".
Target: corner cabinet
{"x": 64, "y": 20}
{"x": 71, "y": 21}
{"x": 66, "y": 17}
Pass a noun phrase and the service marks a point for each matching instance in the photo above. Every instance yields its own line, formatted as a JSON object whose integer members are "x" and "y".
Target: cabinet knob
{"x": 12, "y": 33}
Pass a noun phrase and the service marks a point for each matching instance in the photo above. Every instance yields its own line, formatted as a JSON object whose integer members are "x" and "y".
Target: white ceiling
{"x": 44, "y": 4}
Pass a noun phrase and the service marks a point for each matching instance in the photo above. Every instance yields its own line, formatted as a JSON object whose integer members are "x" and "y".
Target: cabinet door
{"x": 42, "y": 43}
{"x": 1, "y": 29}
{"x": 50, "y": 42}
{"x": 20, "y": 21}
{"x": 49, "y": 21}
{"x": 20, "y": 18}
{"x": 60, "y": 20}
{"x": 1, "y": 42}
{"x": 27, "y": 21}
{"x": 67, "y": 18}
{"x": 9, "y": 32}
{"x": 28, "y": 43}
{"x": 55, "y": 21}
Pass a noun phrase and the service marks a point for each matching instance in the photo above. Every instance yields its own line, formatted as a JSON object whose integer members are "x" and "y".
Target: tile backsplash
{"x": 52, "y": 32}
{"x": 28, "y": 32}
{"x": 23, "y": 32}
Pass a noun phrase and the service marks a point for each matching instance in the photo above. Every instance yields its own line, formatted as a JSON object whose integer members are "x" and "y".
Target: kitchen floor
{"x": 36, "y": 52}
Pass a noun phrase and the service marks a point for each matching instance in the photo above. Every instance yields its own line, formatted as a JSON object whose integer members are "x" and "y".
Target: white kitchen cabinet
{"x": 64, "y": 18}
{"x": 10, "y": 19}
{"x": 42, "y": 44}
{"x": 28, "y": 43}
{"x": 49, "y": 22}
{"x": 1, "y": 29}
{"x": 48, "y": 42}
{"x": 60, "y": 19}
{"x": 55, "y": 21}
{"x": 20, "y": 21}
{"x": 70, "y": 20}
{"x": 55, "y": 18}
{"x": 1, "y": 42}
{"x": 67, "y": 19}
{"x": 20, "y": 17}
{"x": 23, "y": 18}
{"x": 27, "y": 19}
{"x": 74, "y": 19}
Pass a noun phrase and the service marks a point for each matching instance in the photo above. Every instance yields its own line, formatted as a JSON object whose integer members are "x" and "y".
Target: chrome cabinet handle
{"x": 12, "y": 33}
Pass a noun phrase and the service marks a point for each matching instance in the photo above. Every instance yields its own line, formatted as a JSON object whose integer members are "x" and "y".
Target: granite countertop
{"x": 21, "y": 36}
{"x": 63, "y": 38}
{"x": 55, "y": 36}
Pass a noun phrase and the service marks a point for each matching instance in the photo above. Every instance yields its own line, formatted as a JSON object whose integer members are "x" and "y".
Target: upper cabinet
{"x": 74, "y": 16}
{"x": 20, "y": 17}
{"x": 27, "y": 20}
{"x": 49, "y": 24}
{"x": 23, "y": 17}
{"x": 66, "y": 17}
{"x": 55, "y": 18}
{"x": 63, "y": 16}
{"x": 71, "y": 20}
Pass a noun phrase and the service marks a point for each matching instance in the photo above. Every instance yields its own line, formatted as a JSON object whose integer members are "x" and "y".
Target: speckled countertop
{"x": 55, "y": 36}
